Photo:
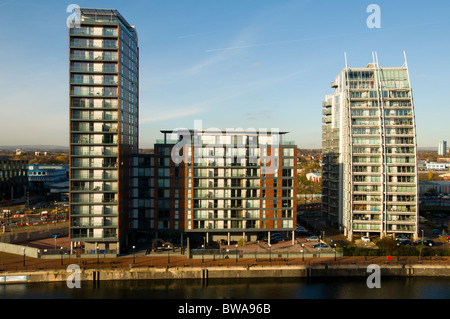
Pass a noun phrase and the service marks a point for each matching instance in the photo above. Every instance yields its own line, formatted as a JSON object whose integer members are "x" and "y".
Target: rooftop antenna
{"x": 406, "y": 62}
{"x": 345, "y": 56}
{"x": 376, "y": 57}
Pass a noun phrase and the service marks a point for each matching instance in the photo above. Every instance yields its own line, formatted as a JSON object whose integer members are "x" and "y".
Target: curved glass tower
{"x": 369, "y": 144}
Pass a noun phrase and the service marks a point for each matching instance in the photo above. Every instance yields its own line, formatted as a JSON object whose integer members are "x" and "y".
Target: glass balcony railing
{"x": 93, "y": 224}
{"x": 94, "y": 93}
{"x": 87, "y": 176}
{"x": 99, "y": 32}
{"x": 102, "y": 210}
{"x": 103, "y": 188}
{"x": 100, "y": 45}
{"x": 95, "y": 81}
{"x": 95, "y": 69}
{"x": 105, "y": 117}
{"x": 86, "y": 199}
{"x": 93, "y": 58}
{"x": 86, "y": 237}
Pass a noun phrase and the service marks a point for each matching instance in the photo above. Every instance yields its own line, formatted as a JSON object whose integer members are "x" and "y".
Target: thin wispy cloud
{"x": 244, "y": 36}
{"x": 324, "y": 37}
{"x": 194, "y": 35}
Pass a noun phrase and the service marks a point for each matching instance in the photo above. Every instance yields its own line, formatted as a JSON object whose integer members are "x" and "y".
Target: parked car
{"x": 274, "y": 238}
{"x": 425, "y": 242}
{"x": 401, "y": 238}
{"x": 312, "y": 238}
{"x": 277, "y": 237}
{"x": 301, "y": 231}
{"x": 406, "y": 242}
{"x": 365, "y": 239}
{"x": 320, "y": 246}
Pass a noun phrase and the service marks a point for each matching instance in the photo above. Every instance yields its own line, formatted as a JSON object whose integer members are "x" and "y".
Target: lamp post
{"x": 270, "y": 252}
{"x": 61, "y": 250}
{"x": 98, "y": 256}
{"x": 134, "y": 255}
{"x": 303, "y": 252}
{"x": 335, "y": 252}
{"x": 24, "y": 256}
{"x": 203, "y": 253}
{"x": 421, "y": 248}
{"x": 236, "y": 254}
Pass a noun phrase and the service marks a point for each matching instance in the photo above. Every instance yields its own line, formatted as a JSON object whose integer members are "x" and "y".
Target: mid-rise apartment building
{"x": 369, "y": 145}
{"x": 104, "y": 107}
{"x": 213, "y": 186}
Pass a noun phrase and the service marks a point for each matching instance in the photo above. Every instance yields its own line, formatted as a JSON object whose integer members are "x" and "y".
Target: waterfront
{"x": 261, "y": 289}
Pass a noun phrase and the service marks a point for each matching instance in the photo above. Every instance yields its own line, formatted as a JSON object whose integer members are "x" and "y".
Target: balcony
{"x": 99, "y": 93}
{"x": 108, "y": 69}
{"x": 326, "y": 104}
{"x": 326, "y": 119}
{"x": 103, "y": 117}
{"x": 91, "y": 176}
{"x": 91, "y": 57}
{"x": 94, "y": 45}
{"x": 86, "y": 32}
{"x": 94, "y": 81}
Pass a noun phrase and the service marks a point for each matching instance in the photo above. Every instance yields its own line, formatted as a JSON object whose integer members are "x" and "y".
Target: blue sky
{"x": 232, "y": 64}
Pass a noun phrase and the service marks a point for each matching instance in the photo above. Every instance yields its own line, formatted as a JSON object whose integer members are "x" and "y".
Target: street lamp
{"x": 24, "y": 256}
{"x": 61, "y": 250}
{"x": 203, "y": 253}
{"x": 236, "y": 253}
{"x": 98, "y": 256}
{"x": 335, "y": 252}
{"x": 303, "y": 252}
{"x": 134, "y": 255}
{"x": 270, "y": 252}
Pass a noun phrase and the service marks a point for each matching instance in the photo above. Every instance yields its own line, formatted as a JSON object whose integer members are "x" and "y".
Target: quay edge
{"x": 203, "y": 273}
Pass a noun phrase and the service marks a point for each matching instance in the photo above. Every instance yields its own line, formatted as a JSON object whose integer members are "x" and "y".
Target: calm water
{"x": 285, "y": 288}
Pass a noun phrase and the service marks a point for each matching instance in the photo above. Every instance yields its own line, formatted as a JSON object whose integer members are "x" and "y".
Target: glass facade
{"x": 221, "y": 190}
{"x": 370, "y": 169}
{"x": 104, "y": 86}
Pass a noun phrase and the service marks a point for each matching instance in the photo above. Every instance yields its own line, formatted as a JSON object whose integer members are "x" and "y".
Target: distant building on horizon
{"x": 314, "y": 177}
{"x": 442, "y": 148}
{"x": 369, "y": 181}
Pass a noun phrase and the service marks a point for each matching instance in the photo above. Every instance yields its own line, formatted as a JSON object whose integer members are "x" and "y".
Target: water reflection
{"x": 270, "y": 288}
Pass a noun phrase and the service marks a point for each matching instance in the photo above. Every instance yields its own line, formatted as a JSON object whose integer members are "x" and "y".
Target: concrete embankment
{"x": 222, "y": 272}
